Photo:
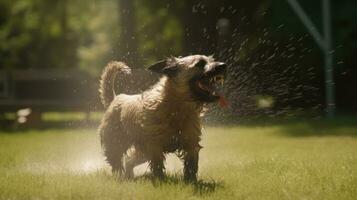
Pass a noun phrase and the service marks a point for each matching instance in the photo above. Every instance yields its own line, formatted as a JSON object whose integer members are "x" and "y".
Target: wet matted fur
{"x": 165, "y": 118}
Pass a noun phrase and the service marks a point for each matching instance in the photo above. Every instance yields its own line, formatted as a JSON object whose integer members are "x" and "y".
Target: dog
{"x": 163, "y": 119}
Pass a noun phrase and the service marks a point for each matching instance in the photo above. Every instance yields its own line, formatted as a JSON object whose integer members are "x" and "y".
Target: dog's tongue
{"x": 223, "y": 102}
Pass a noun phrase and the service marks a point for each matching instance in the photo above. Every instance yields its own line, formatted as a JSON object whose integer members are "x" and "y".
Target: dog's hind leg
{"x": 133, "y": 159}
{"x": 114, "y": 144}
{"x": 114, "y": 157}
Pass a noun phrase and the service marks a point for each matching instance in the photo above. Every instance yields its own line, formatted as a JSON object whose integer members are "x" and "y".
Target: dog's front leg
{"x": 191, "y": 164}
{"x": 157, "y": 164}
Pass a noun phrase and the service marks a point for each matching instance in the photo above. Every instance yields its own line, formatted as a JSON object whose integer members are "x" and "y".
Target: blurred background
{"x": 52, "y": 53}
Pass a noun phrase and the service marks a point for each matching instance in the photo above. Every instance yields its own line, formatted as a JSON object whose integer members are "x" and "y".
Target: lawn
{"x": 300, "y": 160}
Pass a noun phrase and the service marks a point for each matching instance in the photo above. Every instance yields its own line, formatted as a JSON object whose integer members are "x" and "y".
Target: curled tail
{"x": 106, "y": 87}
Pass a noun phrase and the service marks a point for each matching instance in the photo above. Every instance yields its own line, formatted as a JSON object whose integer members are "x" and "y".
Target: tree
{"x": 36, "y": 34}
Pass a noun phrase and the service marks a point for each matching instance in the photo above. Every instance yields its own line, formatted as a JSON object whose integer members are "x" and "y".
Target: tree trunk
{"x": 128, "y": 46}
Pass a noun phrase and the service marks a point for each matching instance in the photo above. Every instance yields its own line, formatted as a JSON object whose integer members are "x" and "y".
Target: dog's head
{"x": 197, "y": 75}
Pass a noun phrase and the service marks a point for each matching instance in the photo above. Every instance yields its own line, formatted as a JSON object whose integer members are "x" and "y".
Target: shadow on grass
{"x": 320, "y": 128}
{"x": 304, "y": 127}
{"x": 201, "y": 187}
{"x": 300, "y": 127}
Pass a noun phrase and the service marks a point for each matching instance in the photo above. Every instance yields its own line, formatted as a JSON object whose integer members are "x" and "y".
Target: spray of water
{"x": 266, "y": 77}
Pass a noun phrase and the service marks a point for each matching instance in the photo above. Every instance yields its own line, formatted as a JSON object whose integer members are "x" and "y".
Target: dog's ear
{"x": 168, "y": 67}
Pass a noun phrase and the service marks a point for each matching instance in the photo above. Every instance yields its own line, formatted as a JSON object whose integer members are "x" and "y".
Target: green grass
{"x": 290, "y": 161}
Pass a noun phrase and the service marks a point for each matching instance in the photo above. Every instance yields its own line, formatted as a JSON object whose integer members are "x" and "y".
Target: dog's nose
{"x": 221, "y": 66}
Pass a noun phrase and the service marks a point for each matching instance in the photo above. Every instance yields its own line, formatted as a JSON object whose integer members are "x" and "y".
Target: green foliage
{"x": 160, "y": 32}
{"x": 36, "y": 33}
{"x": 65, "y": 34}
{"x": 98, "y": 27}
{"x": 57, "y": 34}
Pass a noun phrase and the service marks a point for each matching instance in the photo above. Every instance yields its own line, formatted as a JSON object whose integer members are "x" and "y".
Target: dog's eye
{"x": 201, "y": 64}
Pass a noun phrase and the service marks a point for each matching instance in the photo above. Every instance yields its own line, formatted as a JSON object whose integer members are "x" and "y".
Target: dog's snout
{"x": 216, "y": 68}
{"x": 222, "y": 65}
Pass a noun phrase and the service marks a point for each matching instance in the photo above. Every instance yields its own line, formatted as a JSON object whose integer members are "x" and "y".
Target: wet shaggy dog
{"x": 163, "y": 119}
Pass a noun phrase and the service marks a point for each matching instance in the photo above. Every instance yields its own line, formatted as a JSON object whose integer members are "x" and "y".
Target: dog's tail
{"x": 106, "y": 88}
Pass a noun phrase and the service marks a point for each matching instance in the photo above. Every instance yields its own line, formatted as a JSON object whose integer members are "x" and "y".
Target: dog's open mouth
{"x": 212, "y": 87}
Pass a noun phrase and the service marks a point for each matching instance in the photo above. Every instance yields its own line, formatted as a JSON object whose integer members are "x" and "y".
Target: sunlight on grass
{"x": 70, "y": 116}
